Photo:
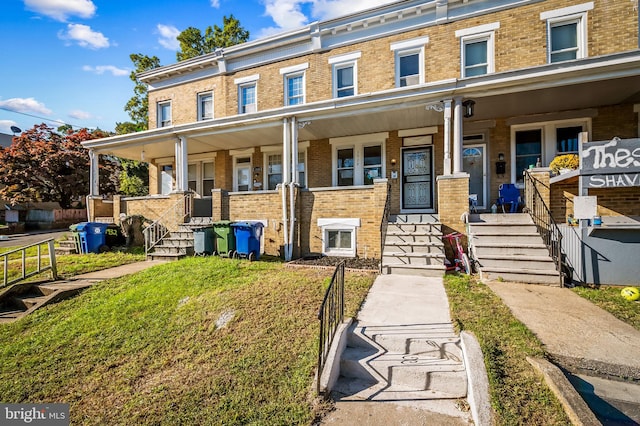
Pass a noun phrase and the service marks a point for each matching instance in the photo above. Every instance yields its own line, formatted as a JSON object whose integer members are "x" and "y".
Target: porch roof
{"x": 572, "y": 85}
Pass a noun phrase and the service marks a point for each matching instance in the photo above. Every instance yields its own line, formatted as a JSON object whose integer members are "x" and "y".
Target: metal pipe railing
{"x": 546, "y": 225}
{"x": 155, "y": 232}
{"x": 23, "y": 259}
{"x": 331, "y": 315}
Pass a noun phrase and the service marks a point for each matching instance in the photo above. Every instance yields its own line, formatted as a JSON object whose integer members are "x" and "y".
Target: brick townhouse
{"x": 324, "y": 132}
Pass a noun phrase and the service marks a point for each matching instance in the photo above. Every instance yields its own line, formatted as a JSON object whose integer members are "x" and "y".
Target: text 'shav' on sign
{"x": 610, "y": 164}
{"x": 34, "y": 414}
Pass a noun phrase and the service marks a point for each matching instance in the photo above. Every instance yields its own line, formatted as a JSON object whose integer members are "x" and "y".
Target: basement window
{"x": 339, "y": 236}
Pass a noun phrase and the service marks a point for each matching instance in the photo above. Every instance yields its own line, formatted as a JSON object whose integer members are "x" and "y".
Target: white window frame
{"x": 240, "y": 154}
{"x": 293, "y": 72}
{"x": 160, "y": 121}
{"x": 549, "y": 136}
{"x": 201, "y": 97}
{"x": 409, "y": 48}
{"x": 277, "y": 150}
{"x": 200, "y": 177}
{"x": 243, "y": 83}
{"x": 358, "y": 143}
{"x": 476, "y": 34}
{"x": 568, "y": 15}
{"x": 349, "y": 60}
{"x": 339, "y": 225}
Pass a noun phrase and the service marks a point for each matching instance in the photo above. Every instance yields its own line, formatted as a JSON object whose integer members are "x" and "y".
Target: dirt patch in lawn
{"x": 319, "y": 261}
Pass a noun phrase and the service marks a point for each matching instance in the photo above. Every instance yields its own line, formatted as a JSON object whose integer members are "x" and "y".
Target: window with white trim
{"x": 302, "y": 168}
{"x": 358, "y": 160}
{"x": 409, "y": 61}
{"x": 208, "y": 177}
{"x": 273, "y": 165}
{"x": 344, "y": 70}
{"x": 477, "y": 49}
{"x": 294, "y": 90}
{"x": 274, "y": 170}
{"x": 339, "y": 236}
{"x": 205, "y": 106}
{"x": 164, "y": 114}
{"x": 200, "y": 177}
{"x": 567, "y": 32}
{"x": 248, "y": 99}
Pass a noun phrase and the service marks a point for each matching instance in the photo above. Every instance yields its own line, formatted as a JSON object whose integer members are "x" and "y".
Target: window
{"x": 205, "y": 106}
{"x": 192, "y": 173}
{"x": 567, "y": 139}
{"x": 295, "y": 89}
{"x": 477, "y": 49}
{"x": 243, "y": 174}
{"x": 208, "y": 178}
{"x": 566, "y": 32}
{"x": 166, "y": 179}
{"x": 344, "y": 74}
{"x": 302, "y": 162}
{"x": 528, "y": 150}
{"x": 372, "y": 164}
{"x": 345, "y": 167}
{"x": 339, "y": 236}
{"x": 409, "y": 61}
{"x": 358, "y": 160}
{"x": 274, "y": 171}
{"x": 164, "y": 114}
{"x": 248, "y": 98}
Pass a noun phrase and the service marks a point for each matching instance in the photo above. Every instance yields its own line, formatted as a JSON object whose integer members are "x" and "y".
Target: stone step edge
{"x": 546, "y": 272}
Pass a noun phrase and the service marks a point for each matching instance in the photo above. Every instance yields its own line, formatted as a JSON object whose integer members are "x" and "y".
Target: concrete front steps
{"x": 398, "y": 363}
{"x": 507, "y": 246}
{"x": 179, "y": 244}
{"x": 413, "y": 246}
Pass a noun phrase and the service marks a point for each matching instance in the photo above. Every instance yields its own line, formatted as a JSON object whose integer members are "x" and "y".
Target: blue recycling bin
{"x": 93, "y": 236}
{"x": 247, "y": 239}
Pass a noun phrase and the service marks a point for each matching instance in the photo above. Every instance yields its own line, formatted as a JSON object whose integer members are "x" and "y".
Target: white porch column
{"x": 294, "y": 150}
{"x": 447, "y": 137}
{"x": 177, "y": 152}
{"x": 94, "y": 174}
{"x": 457, "y": 135}
{"x": 286, "y": 149}
{"x": 184, "y": 168}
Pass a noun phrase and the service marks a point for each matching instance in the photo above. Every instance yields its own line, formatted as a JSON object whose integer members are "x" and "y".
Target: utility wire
{"x": 61, "y": 123}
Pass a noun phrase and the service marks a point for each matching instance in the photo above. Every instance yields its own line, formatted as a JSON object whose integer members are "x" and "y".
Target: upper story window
{"x": 344, "y": 70}
{"x": 567, "y": 32}
{"x": 409, "y": 61}
{"x": 164, "y": 114}
{"x": 294, "y": 84}
{"x": 205, "y": 106}
{"x": 477, "y": 49}
{"x": 247, "y": 94}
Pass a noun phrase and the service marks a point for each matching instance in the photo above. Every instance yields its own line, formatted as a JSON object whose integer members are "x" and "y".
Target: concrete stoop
{"x": 413, "y": 246}
{"x": 179, "y": 244}
{"x": 400, "y": 363}
{"x": 508, "y": 247}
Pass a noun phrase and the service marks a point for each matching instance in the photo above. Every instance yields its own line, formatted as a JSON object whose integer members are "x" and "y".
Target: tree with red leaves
{"x": 44, "y": 165}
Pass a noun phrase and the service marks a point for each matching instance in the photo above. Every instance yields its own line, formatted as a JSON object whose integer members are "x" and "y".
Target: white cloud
{"x": 5, "y": 126}
{"x": 84, "y": 36}
{"x": 26, "y": 105}
{"x": 80, "y": 115}
{"x": 215, "y": 4}
{"x": 288, "y": 14}
{"x": 168, "y": 36}
{"x": 60, "y": 10}
{"x": 101, "y": 69}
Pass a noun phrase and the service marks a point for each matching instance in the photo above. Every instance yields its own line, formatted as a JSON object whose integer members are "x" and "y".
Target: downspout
{"x": 285, "y": 167}
{"x": 292, "y": 185}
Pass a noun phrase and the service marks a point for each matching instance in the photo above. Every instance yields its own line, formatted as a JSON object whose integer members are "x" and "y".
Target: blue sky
{"x": 68, "y": 60}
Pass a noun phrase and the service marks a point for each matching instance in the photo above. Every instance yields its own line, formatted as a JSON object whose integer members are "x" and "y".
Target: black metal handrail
{"x": 384, "y": 224}
{"x": 331, "y": 315}
{"x": 544, "y": 222}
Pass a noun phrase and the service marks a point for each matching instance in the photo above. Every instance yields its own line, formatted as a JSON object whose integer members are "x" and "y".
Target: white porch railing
{"x": 155, "y": 232}
{"x": 23, "y": 259}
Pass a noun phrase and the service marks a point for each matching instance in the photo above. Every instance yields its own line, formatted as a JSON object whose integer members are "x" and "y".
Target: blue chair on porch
{"x": 508, "y": 193}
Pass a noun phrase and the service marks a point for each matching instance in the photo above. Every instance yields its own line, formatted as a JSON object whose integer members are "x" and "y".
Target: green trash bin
{"x": 224, "y": 238}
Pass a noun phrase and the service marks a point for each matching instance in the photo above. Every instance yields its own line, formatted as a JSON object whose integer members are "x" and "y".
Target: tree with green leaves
{"x": 134, "y": 178}
{"x": 138, "y": 105}
{"x": 45, "y": 165}
{"x": 193, "y": 43}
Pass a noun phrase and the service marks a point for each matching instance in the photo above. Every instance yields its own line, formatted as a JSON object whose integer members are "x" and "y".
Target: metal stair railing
{"x": 331, "y": 315}
{"x": 384, "y": 224}
{"x": 154, "y": 233}
{"x": 546, "y": 225}
{"x": 23, "y": 259}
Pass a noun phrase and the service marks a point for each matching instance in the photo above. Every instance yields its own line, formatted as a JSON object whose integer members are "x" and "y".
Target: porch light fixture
{"x": 501, "y": 157}
{"x": 468, "y": 108}
{"x": 142, "y": 154}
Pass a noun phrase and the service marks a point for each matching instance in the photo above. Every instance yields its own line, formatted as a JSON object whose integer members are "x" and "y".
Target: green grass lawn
{"x": 609, "y": 299}
{"x": 150, "y": 348}
{"x": 518, "y": 393}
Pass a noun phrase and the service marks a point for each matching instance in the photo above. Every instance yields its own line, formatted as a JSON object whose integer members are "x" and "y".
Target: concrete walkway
{"x": 404, "y": 307}
{"x": 601, "y": 353}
